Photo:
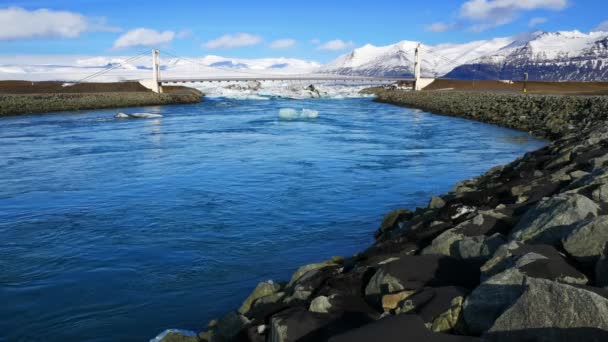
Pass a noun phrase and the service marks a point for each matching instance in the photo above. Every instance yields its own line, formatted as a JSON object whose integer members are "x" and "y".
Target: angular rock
{"x": 552, "y": 219}
{"x": 415, "y": 272}
{"x": 392, "y": 221}
{"x": 508, "y": 255}
{"x": 488, "y": 301}
{"x": 308, "y": 268}
{"x": 301, "y": 325}
{"x": 229, "y": 327}
{"x": 436, "y": 202}
{"x": 262, "y": 290}
{"x": 391, "y": 301}
{"x": 549, "y": 311}
{"x": 452, "y": 319}
{"x": 320, "y": 304}
{"x": 398, "y": 328}
{"x": 433, "y": 302}
{"x": 586, "y": 241}
{"x": 295, "y": 323}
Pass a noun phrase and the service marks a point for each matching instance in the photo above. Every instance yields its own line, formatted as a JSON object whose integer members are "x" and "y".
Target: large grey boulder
{"x": 490, "y": 299}
{"x": 516, "y": 263}
{"x": 551, "y": 219}
{"x": 586, "y": 242}
{"x": 549, "y": 311}
{"x": 455, "y": 244}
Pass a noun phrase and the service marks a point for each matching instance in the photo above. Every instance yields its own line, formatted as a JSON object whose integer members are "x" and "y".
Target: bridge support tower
{"x": 156, "y": 86}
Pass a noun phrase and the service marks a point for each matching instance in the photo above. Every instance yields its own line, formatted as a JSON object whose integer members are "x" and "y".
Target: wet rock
{"x": 308, "y": 268}
{"x": 398, "y": 328}
{"x": 436, "y": 202}
{"x": 587, "y": 239}
{"x": 262, "y": 290}
{"x": 545, "y": 312}
{"x": 551, "y": 219}
{"x": 393, "y": 220}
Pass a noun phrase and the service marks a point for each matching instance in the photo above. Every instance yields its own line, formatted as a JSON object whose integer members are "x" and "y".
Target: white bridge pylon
{"x": 418, "y": 83}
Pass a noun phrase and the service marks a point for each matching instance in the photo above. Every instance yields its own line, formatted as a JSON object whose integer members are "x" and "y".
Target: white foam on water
{"x": 293, "y": 114}
{"x": 275, "y": 89}
{"x": 162, "y": 335}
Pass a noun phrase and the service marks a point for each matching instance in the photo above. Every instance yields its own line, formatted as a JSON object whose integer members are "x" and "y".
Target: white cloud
{"x": 492, "y": 13}
{"x": 282, "y": 43}
{"x": 336, "y": 44}
{"x": 183, "y": 34}
{"x": 603, "y": 26}
{"x": 19, "y": 23}
{"x": 229, "y": 41}
{"x": 536, "y": 21}
{"x": 437, "y": 27}
{"x": 143, "y": 37}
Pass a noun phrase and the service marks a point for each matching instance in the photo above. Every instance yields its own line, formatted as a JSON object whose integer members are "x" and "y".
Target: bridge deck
{"x": 337, "y": 78}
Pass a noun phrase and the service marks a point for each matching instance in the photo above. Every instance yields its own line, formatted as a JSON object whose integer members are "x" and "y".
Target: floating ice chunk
{"x": 137, "y": 116}
{"x": 288, "y": 114}
{"x": 292, "y": 114}
{"x": 309, "y": 114}
{"x": 162, "y": 335}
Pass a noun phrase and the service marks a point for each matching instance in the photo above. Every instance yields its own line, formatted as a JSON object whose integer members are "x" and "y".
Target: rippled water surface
{"x": 115, "y": 229}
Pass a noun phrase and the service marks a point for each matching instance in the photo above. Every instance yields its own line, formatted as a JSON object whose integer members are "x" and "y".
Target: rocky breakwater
{"x": 517, "y": 254}
{"x": 547, "y": 116}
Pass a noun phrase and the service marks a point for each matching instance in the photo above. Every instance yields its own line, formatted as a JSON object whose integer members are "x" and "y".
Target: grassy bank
{"x": 21, "y": 97}
{"x": 547, "y": 116}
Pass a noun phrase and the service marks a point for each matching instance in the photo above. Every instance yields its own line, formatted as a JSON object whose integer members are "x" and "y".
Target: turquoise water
{"x": 115, "y": 229}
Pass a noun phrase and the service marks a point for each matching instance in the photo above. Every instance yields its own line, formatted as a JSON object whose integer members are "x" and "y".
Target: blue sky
{"x": 312, "y": 29}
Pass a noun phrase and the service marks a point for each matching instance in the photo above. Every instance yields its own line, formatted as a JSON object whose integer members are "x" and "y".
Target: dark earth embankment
{"x": 23, "y": 97}
{"x": 519, "y": 253}
{"x": 532, "y": 87}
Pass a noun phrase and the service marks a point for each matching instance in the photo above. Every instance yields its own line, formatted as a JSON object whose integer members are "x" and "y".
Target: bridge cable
{"x": 101, "y": 72}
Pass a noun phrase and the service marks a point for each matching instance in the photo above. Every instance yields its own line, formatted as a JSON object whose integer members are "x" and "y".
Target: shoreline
{"x": 466, "y": 267}
{"x": 19, "y": 98}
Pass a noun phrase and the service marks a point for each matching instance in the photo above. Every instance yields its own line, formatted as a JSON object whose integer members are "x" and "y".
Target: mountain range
{"x": 559, "y": 56}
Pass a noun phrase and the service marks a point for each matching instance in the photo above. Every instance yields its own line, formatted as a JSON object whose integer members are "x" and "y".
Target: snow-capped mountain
{"x": 398, "y": 59}
{"x": 545, "y": 56}
{"x": 568, "y": 55}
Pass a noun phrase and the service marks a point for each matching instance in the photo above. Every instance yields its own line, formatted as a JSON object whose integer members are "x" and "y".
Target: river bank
{"x": 20, "y": 97}
{"x": 518, "y": 253}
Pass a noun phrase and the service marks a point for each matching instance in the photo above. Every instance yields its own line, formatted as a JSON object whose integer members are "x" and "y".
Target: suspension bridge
{"x": 156, "y": 82}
